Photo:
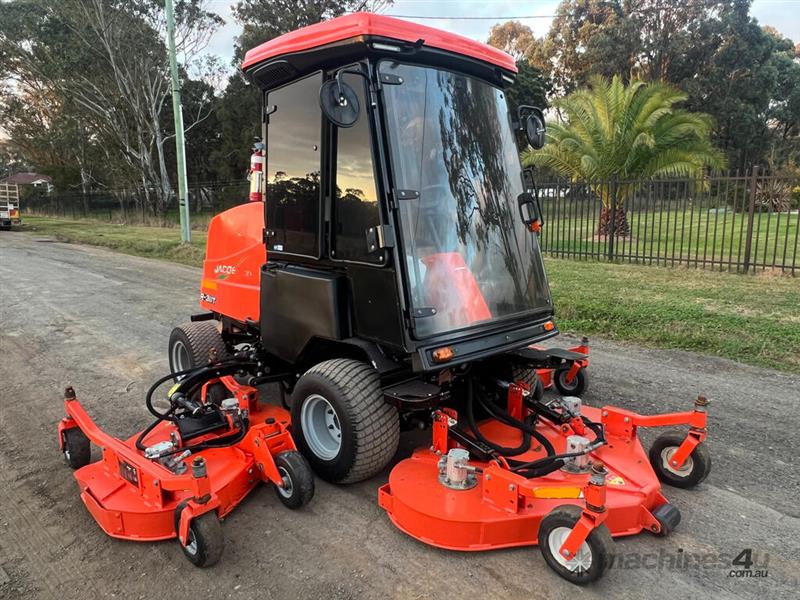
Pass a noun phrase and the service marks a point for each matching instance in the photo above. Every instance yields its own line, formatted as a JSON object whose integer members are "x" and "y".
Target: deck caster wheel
{"x": 297, "y": 477}
{"x": 576, "y": 387}
{"x": 593, "y": 557}
{"x": 341, "y": 423}
{"x": 192, "y": 345}
{"x": 694, "y": 470}
{"x": 668, "y": 517}
{"x": 77, "y": 449}
{"x": 205, "y": 542}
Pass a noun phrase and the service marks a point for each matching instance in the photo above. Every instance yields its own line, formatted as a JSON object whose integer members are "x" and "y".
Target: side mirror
{"x": 535, "y": 129}
{"x": 339, "y": 103}
{"x": 533, "y": 125}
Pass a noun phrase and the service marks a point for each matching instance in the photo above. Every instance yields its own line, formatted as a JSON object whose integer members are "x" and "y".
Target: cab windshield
{"x": 469, "y": 257}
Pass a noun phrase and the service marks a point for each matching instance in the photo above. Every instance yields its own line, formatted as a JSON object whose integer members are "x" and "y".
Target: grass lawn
{"x": 153, "y": 242}
{"x": 752, "y": 319}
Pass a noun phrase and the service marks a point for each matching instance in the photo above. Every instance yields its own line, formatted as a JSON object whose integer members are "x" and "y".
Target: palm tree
{"x": 614, "y": 135}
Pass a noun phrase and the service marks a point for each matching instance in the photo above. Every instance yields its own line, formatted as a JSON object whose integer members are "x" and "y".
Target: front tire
{"x": 594, "y": 555}
{"x": 194, "y": 345}
{"x": 341, "y": 422}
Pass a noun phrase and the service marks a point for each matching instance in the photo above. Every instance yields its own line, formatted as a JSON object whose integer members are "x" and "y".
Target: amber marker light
{"x": 443, "y": 354}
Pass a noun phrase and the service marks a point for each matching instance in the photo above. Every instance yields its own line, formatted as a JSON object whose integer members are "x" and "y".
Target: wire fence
{"x": 133, "y": 207}
{"x": 739, "y": 223}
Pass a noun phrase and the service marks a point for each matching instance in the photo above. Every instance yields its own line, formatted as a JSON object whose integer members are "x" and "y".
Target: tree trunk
{"x": 621, "y": 226}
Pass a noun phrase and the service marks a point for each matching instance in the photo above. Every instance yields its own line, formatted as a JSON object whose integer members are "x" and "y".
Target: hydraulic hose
{"x": 531, "y": 469}
{"x": 501, "y": 450}
{"x": 193, "y": 378}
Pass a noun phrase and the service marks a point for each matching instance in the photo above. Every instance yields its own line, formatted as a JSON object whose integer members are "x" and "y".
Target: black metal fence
{"x": 739, "y": 223}
{"x": 132, "y": 206}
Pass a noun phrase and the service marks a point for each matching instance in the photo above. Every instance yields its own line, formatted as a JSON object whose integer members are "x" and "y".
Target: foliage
{"x": 261, "y": 21}
{"x": 91, "y": 77}
{"x": 531, "y": 87}
{"x": 745, "y": 76}
{"x": 516, "y": 39}
{"x": 615, "y": 133}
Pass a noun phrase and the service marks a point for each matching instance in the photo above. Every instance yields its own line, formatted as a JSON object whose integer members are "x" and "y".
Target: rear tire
{"x": 194, "y": 345}
{"x": 341, "y": 422}
{"x": 531, "y": 377}
{"x": 77, "y": 449}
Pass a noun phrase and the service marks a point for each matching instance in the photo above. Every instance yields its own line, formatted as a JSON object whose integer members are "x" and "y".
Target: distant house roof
{"x": 27, "y": 179}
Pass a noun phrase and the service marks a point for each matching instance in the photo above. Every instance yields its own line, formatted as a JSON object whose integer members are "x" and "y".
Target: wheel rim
{"x": 191, "y": 546}
{"x": 287, "y": 489}
{"x": 666, "y": 461}
{"x": 562, "y": 379}
{"x": 180, "y": 356}
{"x": 580, "y": 563}
{"x": 321, "y": 428}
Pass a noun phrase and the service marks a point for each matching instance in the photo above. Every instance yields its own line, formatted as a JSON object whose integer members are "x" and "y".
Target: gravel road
{"x": 98, "y": 320}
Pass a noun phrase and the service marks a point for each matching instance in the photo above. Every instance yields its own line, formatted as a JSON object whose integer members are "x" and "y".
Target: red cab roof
{"x": 370, "y": 24}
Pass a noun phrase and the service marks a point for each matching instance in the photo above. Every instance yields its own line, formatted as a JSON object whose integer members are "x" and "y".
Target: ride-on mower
{"x": 389, "y": 276}
{"x": 192, "y": 466}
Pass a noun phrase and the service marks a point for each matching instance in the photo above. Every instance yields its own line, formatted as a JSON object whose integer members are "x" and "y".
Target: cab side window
{"x": 293, "y": 168}
{"x": 355, "y": 205}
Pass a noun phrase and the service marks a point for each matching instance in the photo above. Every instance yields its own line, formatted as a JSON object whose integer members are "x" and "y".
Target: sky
{"x": 784, "y": 15}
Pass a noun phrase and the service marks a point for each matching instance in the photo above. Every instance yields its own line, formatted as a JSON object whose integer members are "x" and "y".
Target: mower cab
{"x": 397, "y": 232}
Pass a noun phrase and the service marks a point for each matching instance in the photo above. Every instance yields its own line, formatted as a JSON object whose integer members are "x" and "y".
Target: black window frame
{"x": 414, "y": 339}
{"x": 323, "y": 143}
{"x": 368, "y": 113}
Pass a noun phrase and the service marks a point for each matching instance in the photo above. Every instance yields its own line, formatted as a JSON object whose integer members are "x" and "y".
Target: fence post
{"x": 751, "y": 209}
{"x": 612, "y": 229}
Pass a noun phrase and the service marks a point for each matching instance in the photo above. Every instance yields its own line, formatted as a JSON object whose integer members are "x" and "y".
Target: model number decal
{"x": 208, "y": 298}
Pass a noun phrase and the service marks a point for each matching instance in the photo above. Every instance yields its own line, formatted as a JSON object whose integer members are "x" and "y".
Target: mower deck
{"x": 578, "y": 478}
{"x": 144, "y": 511}
{"x": 190, "y": 468}
{"x": 486, "y": 517}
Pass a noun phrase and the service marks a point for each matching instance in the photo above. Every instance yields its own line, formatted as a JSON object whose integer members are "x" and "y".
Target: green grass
{"x": 693, "y": 235}
{"x": 752, "y": 319}
{"x": 153, "y": 242}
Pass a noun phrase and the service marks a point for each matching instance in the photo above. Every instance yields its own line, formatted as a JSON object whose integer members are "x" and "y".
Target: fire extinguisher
{"x": 256, "y": 171}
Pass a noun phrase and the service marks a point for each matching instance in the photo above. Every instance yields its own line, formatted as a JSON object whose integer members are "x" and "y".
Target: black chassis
{"x": 359, "y": 310}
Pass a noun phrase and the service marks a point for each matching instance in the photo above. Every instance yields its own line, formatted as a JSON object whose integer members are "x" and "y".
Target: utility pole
{"x": 177, "y": 109}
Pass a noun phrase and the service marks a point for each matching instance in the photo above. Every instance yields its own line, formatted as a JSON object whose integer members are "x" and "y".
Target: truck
{"x": 9, "y": 205}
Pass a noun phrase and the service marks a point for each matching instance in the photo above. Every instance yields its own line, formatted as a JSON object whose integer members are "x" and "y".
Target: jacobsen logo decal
{"x": 225, "y": 270}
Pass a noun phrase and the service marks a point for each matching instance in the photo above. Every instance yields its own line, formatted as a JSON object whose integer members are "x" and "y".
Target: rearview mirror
{"x": 339, "y": 103}
{"x": 535, "y": 129}
{"x": 533, "y": 124}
